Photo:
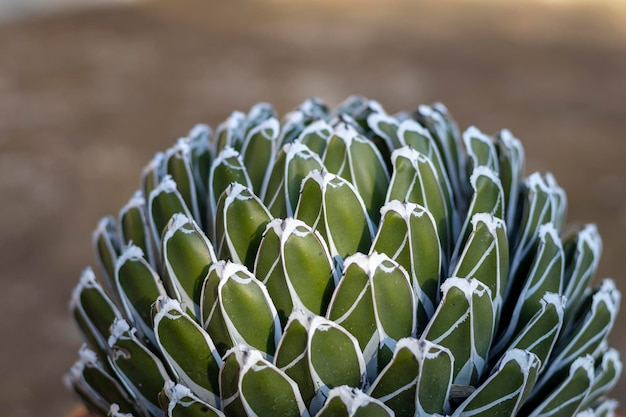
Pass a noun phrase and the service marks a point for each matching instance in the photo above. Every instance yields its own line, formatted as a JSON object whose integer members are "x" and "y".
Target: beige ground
{"x": 87, "y": 98}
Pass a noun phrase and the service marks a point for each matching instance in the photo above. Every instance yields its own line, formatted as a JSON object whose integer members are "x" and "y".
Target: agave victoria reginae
{"x": 345, "y": 263}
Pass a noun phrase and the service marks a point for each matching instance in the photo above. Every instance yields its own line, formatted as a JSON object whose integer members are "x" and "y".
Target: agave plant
{"x": 345, "y": 263}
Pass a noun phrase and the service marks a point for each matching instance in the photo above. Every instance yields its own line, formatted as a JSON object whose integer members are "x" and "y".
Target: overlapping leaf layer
{"x": 344, "y": 263}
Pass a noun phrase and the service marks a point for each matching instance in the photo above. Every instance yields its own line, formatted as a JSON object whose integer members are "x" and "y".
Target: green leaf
{"x": 177, "y": 163}
{"x": 582, "y": 259}
{"x": 152, "y": 174}
{"x": 139, "y": 286}
{"x": 607, "y": 375}
{"x": 464, "y": 323}
{"x": 319, "y": 354}
{"x": 487, "y": 197}
{"x": 540, "y": 208}
{"x": 481, "y": 150}
{"x": 540, "y": 333}
{"x": 408, "y": 235}
{"x": 107, "y": 247}
{"x": 91, "y": 379}
{"x": 356, "y": 159}
{"x": 229, "y": 134}
{"x": 138, "y": 368}
{"x": 94, "y": 308}
{"x": 567, "y": 397}
{"x": 133, "y": 227}
{"x": 187, "y": 256}
{"x": 294, "y": 263}
{"x": 345, "y": 401}
{"x": 236, "y": 308}
{"x": 386, "y": 127}
{"x": 374, "y": 301}
{"x": 202, "y": 153}
{"x": 445, "y": 133}
{"x": 315, "y": 136}
{"x": 293, "y": 164}
{"x": 485, "y": 256}
{"x": 331, "y": 205}
{"x": 240, "y": 221}
{"x": 511, "y": 163}
{"x": 182, "y": 402}
{"x": 165, "y": 201}
{"x": 258, "y": 151}
{"x": 188, "y": 350}
{"x": 506, "y": 389}
{"x": 546, "y": 275}
{"x": 252, "y": 386}
{"x": 417, "y": 380}
{"x": 588, "y": 333}
{"x": 226, "y": 169}
{"x": 415, "y": 180}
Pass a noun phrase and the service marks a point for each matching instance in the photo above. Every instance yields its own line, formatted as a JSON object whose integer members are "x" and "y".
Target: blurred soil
{"x": 86, "y": 98}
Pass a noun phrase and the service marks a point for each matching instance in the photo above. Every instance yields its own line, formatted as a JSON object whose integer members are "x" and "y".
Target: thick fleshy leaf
{"x": 319, "y": 354}
{"x": 567, "y": 397}
{"x": 408, "y": 235}
{"x": 315, "y": 136}
{"x": 226, "y": 169}
{"x": 139, "y": 286}
{"x": 292, "y": 165}
{"x": 582, "y": 258}
{"x": 139, "y": 370}
{"x": 374, "y": 301}
{"x": 165, "y": 201}
{"x": 152, "y": 174}
{"x": 230, "y": 133}
{"x": 386, "y": 128}
{"x": 237, "y": 309}
{"x": 419, "y": 138}
{"x": 294, "y": 263}
{"x": 506, "y": 389}
{"x": 445, "y": 132}
{"x": 240, "y": 221}
{"x": 464, "y": 323}
{"x": 588, "y": 333}
{"x": 202, "y": 153}
{"x": 606, "y": 408}
{"x": 251, "y": 386}
{"x": 540, "y": 333}
{"x": 487, "y": 197}
{"x": 607, "y": 374}
{"x": 177, "y": 164}
{"x": 481, "y": 150}
{"x": 485, "y": 256}
{"x": 258, "y": 151}
{"x": 188, "y": 350}
{"x": 107, "y": 247}
{"x": 183, "y": 402}
{"x": 345, "y": 401}
{"x": 187, "y": 256}
{"x": 545, "y": 275}
{"x": 511, "y": 163}
{"x": 417, "y": 380}
{"x": 353, "y": 157}
{"x": 133, "y": 227}
{"x": 90, "y": 378}
{"x": 94, "y": 310}
{"x": 331, "y": 205}
{"x": 415, "y": 180}
{"x": 539, "y": 209}
{"x": 296, "y": 121}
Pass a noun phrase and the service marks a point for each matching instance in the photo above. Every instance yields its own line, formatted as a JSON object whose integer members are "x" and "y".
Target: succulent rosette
{"x": 344, "y": 262}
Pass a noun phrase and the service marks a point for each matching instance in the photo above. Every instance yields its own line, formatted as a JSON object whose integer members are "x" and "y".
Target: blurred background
{"x": 88, "y": 94}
